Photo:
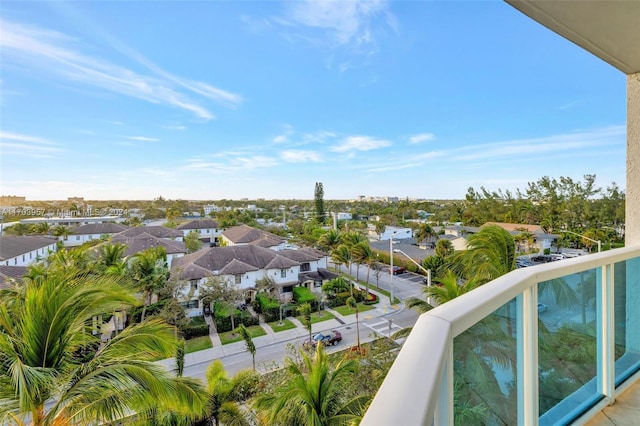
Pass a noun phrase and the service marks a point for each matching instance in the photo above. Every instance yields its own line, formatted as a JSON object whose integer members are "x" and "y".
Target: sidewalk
{"x": 299, "y": 333}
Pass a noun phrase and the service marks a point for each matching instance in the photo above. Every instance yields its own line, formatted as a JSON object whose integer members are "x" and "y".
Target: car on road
{"x": 326, "y": 338}
{"x": 543, "y": 258}
{"x": 397, "y": 270}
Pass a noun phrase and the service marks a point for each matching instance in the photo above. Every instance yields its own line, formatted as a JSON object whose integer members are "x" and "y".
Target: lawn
{"x": 323, "y": 316}
{"x": 197, "y": 344}
{"x": 233, "y": 336}
{"x": 286, "y": 325}
{"x": 345, "y": 310}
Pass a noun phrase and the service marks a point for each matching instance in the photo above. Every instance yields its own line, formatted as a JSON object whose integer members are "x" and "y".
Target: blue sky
{"x": 241, "y": 99}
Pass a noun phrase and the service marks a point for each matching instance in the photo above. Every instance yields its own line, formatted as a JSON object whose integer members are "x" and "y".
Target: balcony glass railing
{"x": 541, "y": 345}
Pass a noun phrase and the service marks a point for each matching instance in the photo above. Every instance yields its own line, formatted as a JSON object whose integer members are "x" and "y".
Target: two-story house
{"x": 240, "y": 266}
{"x": 246, "y": 235}
{"x": 207, "y": 229}
{"x": 90, "y": 232}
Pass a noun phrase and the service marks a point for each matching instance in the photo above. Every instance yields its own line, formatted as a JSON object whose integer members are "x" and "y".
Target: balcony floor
{"x": 625, "y": 412}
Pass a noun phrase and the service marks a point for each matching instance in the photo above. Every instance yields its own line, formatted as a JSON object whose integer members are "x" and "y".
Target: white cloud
{"x": 422, "y": 137}
{"x": 360, "y": 143}
{"x": 32, "y": 146}
{"x": 175, "y": 127}
{"x": 294, "y": 156}
{"x": 142, "y": 139}
{"x": 60, "y": 56}
{"x": 241, "y": 163}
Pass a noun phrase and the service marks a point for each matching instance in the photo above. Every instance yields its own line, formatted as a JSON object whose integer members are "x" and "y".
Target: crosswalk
{"x": 383, "y": 327}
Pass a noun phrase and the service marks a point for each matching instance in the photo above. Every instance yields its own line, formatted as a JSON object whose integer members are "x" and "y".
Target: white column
{"x": 632, "y": 220}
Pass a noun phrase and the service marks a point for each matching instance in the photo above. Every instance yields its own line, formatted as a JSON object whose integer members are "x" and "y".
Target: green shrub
{"x": 195, "y": 328}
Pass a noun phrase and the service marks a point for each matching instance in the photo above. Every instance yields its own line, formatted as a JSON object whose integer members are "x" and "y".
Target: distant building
{"x": 12, "y": 200}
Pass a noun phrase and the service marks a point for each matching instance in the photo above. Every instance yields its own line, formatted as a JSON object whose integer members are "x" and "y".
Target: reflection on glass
{"x": 627, "y": 318}
{"x": 485, "y": 371}
{"x": 567, "y": 352}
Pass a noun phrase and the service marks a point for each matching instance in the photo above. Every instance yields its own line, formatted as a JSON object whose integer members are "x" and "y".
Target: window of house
{"x": 77, "y": 237}
{"x": 305, "y": 267}
{"x": 23, "y": 257}
{"x": 191, "y": 304}
{"x": 317, "y": 283}
{"x": 287, "y": 289}
{"x": 194, "y": 285}
{"x": 283, "y": 273}
{"x": 238, "y": 278}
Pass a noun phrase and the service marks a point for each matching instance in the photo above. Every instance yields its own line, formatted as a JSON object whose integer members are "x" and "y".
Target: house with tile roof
{"x": 10, "y": 274}
{"x": 90, "y": 232}
{"x": 143, "y": 241}
{"x": 207, "y": 229}
{"x": 242, "y": 265}
{"x": 25, "y": 250}
{"x": 156, "y": 231}
{"x": 246, "y": 235}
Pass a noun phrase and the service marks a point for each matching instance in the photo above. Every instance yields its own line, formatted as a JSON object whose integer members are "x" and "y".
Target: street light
{"x": 391, "y": 262}
{"x": 426, "y": 271}
{"x": 587, "y": 238}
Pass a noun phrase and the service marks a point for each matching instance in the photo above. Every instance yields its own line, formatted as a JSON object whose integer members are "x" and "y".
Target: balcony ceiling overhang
{"x": 609, "y": 29}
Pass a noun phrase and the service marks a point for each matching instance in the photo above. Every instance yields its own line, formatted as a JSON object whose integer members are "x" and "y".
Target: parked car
{"x": 522, "y": 262}
{"x": 397, "y": 270}
{"x": 557, "y": 256}
{"x": 541, "y": 258}
{"x": 332, "y": 337}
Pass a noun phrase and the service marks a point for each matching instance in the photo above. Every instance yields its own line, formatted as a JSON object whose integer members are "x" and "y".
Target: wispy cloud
{"x": 142, "y": 139}
{"x": 175, "y": 127}
{"x": 360, "y": 143}
{"x": 61, "y": 56}
{"x": 32, "y": 146}
{"x": 235, "y": 164}
{"x": 422, "y": 137}
{"x": 293, "y": 137}
{"x": 294, "y": 156}
{"x": 346, "y": 22}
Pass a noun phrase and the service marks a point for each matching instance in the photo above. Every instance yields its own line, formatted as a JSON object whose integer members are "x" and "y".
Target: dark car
{"x": 327, "y": 338}
{"x": 542, "y": 258}
{"x": 397, "y": 270}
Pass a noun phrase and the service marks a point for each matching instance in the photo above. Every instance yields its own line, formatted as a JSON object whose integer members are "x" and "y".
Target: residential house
{"x": 208, "y": 230}
{"x": 155, "y": 230}
{"x": 90, "y": 232}
{"x": 242, "y": 265}
{"x": 246, "y": 235}
{"x": 9, "y": 274}
{"x": 144, "y": 241}
{"x": 24, "y": 251}
{"x": 540, "y": 239}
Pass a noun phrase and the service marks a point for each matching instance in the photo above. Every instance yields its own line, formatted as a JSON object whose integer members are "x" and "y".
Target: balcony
{"x": 495, "y": 356}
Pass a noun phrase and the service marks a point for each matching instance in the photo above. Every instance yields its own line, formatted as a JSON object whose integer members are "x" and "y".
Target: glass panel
{"x": 567, "y": 346}
{"x": 627, "y": 312}
{"x": 485, "y": 371}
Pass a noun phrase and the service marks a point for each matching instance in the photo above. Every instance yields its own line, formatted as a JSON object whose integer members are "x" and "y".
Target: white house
{"x": 143, "y": 241}
{"x": 24, "y": 251}
{"x": 241, "y": 266}
{"x": 90, "y": 232}
{"x": 208, "y": 230}
{"x": 344, "y": 216}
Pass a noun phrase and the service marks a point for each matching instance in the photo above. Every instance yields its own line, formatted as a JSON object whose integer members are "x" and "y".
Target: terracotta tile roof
{"x": 199, "y": 224}
{"x": 11, "y": 246}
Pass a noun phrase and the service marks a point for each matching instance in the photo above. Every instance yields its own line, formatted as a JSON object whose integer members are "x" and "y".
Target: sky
{"x": 210, "y": 100}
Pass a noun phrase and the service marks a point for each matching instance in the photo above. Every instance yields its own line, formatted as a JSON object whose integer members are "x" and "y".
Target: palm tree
{"x": 351, "y": 302}
{"x": 424, "y": 232}
{"x": 315, "y": 394}
{"x": 329, "y": 240}
{"x": 341, "y": 255}
{"x": 111, "y": 256}
{"x": 449, "y": 289}
{"x": 149, "y": 272}
{"x": 444, "y": 248}
{"x": 251, "y": 347}
{"x": 362, "y": 253}
{"x": 490, "y": 254}
{"x": 48, "y": 354}
{"x": 61, "y": 231}
{"x": 225, "y": 394}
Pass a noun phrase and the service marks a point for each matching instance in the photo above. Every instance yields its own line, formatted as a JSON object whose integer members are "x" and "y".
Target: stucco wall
{"x": 632, "y": 221}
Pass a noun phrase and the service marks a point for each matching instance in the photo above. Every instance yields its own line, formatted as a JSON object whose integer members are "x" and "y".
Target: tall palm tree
{"x": 363, "y": 254}
{"x": 315, "y": 394}
{"x": 329, "y": 240}
{"x": 111, "y": 256}
{"x": 449, "y": 289}
{"x": 351, "y": 302}
{"x": 225, "y": 394}
{"x": 341, "y": 255}
{"x": 48, "y": 354}
{"x": 149, "y": 271}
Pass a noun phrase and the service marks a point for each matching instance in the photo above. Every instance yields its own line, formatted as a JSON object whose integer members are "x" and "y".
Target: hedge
{"x": 303, "y": 295}
{"x": 222, "y": 318}
{"x": 197, "y": 327}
